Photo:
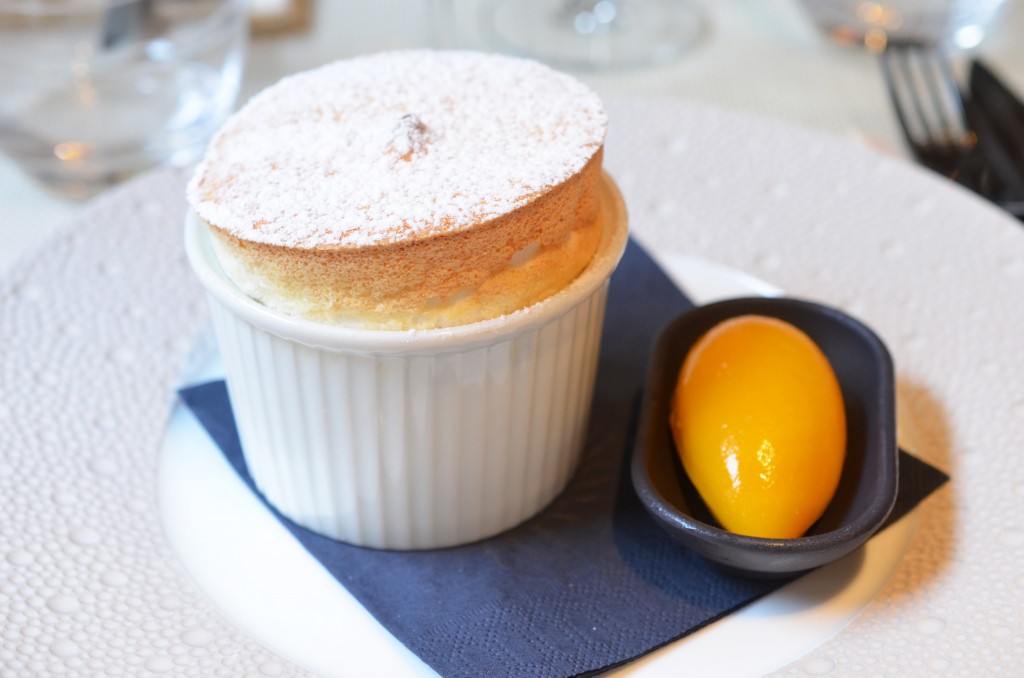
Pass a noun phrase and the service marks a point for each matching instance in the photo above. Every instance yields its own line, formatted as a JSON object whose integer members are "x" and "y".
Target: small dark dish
{"x": 867, "y": 487}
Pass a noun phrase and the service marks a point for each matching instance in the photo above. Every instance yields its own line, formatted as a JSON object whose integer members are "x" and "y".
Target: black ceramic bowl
{"x": 867, "y": 487}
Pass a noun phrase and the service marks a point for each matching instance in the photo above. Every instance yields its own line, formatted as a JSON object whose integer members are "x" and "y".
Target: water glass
{"x": 95, "y": 91}
{"x": 960, "y": 24}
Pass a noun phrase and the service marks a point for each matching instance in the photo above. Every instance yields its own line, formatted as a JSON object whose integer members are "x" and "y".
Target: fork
{"x": 930, "y": 109}
{"x": 936, "y": 120}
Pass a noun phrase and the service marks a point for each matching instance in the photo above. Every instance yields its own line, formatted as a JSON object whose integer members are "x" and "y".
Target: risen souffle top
{"x": 394, "y": 147}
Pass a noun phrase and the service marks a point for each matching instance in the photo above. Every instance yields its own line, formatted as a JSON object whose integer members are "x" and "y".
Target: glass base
{"x": 84, "y": 179}
{"x": 958, "y": 24}
{"x": 597, "y": 33}
{"x": 130, "y": 122}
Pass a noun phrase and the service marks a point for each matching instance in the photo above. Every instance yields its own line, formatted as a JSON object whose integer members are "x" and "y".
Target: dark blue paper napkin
{"x": 587, "y": 585}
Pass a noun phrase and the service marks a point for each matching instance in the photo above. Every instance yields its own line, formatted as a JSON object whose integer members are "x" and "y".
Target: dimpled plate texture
{"x": 97, "y": 325}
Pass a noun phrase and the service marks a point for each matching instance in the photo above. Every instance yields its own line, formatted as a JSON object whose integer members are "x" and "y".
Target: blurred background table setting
{"x": 867, "y": 155}
{"x": 169, "y": 72}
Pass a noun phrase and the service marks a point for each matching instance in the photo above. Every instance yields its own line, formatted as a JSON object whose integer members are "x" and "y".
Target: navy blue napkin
{"x": 590, "y": 583}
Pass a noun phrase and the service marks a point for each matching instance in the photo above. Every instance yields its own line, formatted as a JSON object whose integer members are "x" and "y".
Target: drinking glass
{"x": 597, "y": 33}
{"x": 952, "y": 23}
{"x": 95, "y": 91}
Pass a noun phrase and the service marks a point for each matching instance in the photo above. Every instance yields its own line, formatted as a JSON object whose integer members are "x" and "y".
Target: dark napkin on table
{"x": 590, "y": 583}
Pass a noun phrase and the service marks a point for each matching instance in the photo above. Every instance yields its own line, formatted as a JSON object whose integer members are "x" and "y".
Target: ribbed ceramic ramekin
{"x": 413, "y": 439}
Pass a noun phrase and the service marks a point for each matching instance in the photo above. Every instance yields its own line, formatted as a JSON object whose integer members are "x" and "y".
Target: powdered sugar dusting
{"x": 395, "y": 146}
{"x": 410, "y": 136}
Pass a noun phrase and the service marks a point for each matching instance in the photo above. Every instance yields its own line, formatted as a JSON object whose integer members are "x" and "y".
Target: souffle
{"x": 407, "y": 190}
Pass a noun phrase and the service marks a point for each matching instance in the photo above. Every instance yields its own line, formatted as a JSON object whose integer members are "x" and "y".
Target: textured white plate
{"x": 265, "y": 582}
{"x": 96, "y": 326}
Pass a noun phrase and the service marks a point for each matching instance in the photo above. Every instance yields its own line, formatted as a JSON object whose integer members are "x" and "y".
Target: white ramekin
{"x": 417, "y": 439}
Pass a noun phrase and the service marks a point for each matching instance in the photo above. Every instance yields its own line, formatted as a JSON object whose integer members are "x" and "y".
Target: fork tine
{"x": 916, "y": 100}
{"x": 947, "y": 84}
{"x": 916, "y": 66}
{"x": 945, "y": 94}
{"x": 930, "y": 78}
{"x": 889, "y": 74}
